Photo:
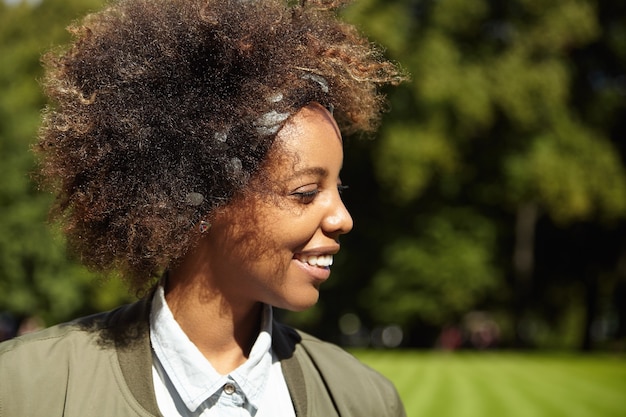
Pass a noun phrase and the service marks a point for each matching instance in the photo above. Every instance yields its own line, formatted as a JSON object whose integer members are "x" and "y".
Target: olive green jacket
{"x": 102, "y": 366}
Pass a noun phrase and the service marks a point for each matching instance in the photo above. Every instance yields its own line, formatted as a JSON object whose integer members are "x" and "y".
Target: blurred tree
{"x": 489, "y": 139}
{"x": 36, "y": 276}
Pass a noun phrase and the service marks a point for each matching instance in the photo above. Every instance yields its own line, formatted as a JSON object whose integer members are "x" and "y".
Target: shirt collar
{"x": 192, "y": 375}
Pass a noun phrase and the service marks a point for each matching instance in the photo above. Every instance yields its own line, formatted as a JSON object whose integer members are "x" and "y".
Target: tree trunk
{"x": 591, "y": 306}
{"x": 523, "y": 264}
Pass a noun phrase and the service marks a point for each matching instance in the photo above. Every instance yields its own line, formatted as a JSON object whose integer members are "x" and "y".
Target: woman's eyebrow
{"x": 317, "y": 171}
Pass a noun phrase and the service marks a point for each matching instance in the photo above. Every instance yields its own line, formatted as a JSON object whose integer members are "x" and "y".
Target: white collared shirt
{"x": 186, "y": 384}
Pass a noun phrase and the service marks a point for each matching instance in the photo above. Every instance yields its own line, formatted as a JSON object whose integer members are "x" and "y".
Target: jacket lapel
{"x": 284, "y": 341}
{"x": 129, "y": 327}
{"x": 308, "y": 389}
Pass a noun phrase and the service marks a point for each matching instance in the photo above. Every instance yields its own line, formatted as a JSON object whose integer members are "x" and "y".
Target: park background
{"x": 490, "y": 209}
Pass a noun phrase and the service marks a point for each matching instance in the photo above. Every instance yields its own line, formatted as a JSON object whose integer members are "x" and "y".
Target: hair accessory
{"x": 270, "y": 122}
{"x": 204, "y": 226}
{"x": 235, "y": 166}
{"x": 275, "y": 98}
{"x": 221, "y": 136}
{"x": 318, "y": 79}
{"x": 194, "y": 199}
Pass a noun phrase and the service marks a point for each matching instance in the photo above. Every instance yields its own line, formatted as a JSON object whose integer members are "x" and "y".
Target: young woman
{"x": 195, "y": 146}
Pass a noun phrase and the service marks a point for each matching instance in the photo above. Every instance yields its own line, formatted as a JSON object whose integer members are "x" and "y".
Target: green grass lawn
{"x": 439, "y": 384}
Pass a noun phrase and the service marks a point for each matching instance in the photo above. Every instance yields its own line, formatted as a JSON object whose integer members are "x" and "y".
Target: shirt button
{"x": 229, "y": 389}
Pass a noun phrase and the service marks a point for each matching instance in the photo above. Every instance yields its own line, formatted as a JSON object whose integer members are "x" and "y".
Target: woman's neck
{"x": 224, "y": 331}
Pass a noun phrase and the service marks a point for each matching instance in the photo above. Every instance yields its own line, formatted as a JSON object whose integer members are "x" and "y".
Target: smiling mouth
{"x": 320, "y": 261}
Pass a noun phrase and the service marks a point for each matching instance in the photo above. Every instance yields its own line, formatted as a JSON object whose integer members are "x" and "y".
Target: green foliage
{"x": 411, "y": 157}
{"x": 516, "y": 74}
{"x": 36, "y": 275}
{"x": 574, "y": 172}
{"x": 437, "y": 274}
{"x": 491, "y": 122}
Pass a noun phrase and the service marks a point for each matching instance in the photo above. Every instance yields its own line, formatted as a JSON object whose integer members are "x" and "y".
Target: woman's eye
{"x": 306, "y": 197}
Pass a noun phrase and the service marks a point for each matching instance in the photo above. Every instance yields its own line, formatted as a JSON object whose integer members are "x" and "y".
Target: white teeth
{"x": 322, "y": 261}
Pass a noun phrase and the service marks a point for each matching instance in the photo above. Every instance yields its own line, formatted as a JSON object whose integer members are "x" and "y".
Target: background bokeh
{"x": 490, "y": 210}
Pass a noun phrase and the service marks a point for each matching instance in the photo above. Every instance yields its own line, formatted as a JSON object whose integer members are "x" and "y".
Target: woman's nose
{"x": 338, "y": 220}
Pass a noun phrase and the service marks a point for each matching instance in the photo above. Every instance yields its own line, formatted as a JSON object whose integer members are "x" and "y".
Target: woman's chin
{"x": 300, "y": 304}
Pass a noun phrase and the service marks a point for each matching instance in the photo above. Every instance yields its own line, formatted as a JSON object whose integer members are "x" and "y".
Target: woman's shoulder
{"x": 46, "y": 339}
{"x": 54, "y": 348}
{"x": 73, "y": 364}
{"x": 41, "y": 365}
{"x": 73, "y": 337}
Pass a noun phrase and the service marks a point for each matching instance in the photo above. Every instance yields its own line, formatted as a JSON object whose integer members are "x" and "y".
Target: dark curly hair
{"x": 162, "y": 110}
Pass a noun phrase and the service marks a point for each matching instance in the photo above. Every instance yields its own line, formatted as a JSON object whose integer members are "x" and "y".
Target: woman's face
{"x": 275, "y": 243}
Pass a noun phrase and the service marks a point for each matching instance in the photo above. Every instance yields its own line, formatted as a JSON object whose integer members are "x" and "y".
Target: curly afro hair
{"x": 162, "y": 110}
